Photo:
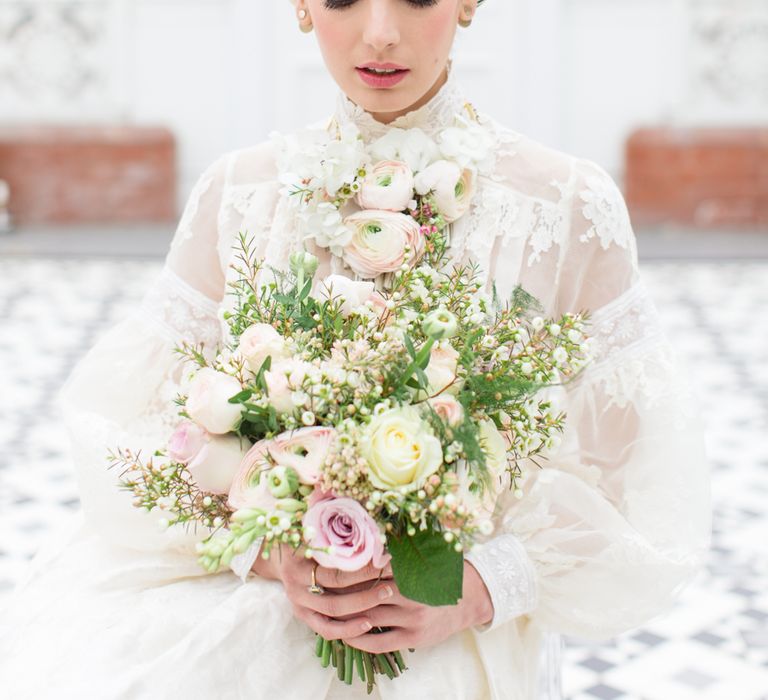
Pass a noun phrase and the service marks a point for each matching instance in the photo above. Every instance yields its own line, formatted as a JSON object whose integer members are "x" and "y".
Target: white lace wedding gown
{"x": 608, "y": 533}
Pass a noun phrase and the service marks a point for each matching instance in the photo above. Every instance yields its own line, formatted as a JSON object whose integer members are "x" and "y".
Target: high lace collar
{"x": 432, "y": 116}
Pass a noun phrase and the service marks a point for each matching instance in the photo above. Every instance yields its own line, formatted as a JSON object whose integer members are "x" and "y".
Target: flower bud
{"x": 282, "y": 481}
{"x": 302, "y": 261}
{"x": 439, "y": 324}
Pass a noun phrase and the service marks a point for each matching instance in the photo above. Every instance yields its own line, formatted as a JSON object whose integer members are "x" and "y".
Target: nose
{"x": 381, "y": 25}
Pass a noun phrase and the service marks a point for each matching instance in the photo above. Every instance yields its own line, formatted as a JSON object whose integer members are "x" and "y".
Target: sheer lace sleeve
{"x": 121, "y": 393}
{"x": 617, "y": 521}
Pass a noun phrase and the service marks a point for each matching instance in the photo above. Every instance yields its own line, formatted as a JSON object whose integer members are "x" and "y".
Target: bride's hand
{"x": 415, "y": 625}
{"x": 341, "y": 612}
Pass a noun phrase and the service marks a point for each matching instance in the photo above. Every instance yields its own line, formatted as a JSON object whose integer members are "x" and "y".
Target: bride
{"x": 608, "y": 532}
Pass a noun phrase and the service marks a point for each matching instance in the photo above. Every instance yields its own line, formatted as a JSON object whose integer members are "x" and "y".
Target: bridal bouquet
{"x": 370, "y": 418}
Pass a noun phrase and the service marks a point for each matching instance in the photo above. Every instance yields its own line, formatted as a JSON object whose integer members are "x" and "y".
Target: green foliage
{"x": 427, "y": 569}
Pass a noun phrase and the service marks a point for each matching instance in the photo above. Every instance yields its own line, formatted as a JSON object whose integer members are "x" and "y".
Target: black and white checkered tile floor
{"x": 713, "y": 646}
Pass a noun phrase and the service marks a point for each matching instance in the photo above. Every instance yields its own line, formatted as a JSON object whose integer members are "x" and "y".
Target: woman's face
{"x": 412, "y": 36}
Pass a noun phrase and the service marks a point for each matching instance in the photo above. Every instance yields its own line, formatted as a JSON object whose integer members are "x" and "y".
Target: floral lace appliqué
{"x": 605, "y": 209}
{"x": 632, "y": 358}
{"x": 180, "y": 312}
{"x": 508, "y": 573}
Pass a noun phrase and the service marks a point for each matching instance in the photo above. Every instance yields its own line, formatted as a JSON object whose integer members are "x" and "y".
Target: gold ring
{"x": 315, "y": 587}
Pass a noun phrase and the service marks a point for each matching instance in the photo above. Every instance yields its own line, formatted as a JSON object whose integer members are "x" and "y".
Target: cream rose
{"x": 452, "y": 187}
{"x": 260, "y": 341}
{"x": 400, "y": 449}
{"x": 208, "y": 401}
{"x": 215, "y": 465}
{"x": 353, "y": 293}
{"x": 382, "y": 241}
{"x": 388, "y": 186}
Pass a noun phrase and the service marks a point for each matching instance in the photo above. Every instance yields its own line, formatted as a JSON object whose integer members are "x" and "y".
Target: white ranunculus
{"x": 381, "y": 241}
{"x": 388, "y": 185}
{"x": 470, "y": 145}
{"x": 259, "y": 341}
{"x": 400, "y": 449}
{"x": 453, "y": 187}
{"x": 353, "y": 293}
{"x": 412, "y": 146}
{"x": 215, "y": 466}
{"x": 324, "y": 223}
{"x": 208, "y": 401}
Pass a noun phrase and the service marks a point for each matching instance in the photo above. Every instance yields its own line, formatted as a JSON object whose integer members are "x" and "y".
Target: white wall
{"x": 576, "y": 74}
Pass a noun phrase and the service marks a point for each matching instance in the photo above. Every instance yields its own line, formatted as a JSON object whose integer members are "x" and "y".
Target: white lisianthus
{"x": 389, "y": 185}
{"x": 353, "y": 293}
{"x": 259, "y": 341}
{"x": 208, "y": 401}
{"x": 469, "y": 144}
{"x": 324, "y": 223}
{"x": 453, "y": 187}
{"x": 382, "y": 241}
{"x": 400, "y": 449}
{"x": 214, "y": 467}
{"x": 411, "y": 146}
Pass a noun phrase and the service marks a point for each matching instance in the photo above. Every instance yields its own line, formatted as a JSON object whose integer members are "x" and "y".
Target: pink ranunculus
{"x": 342, "y": 523}
{"x": 389, "y": 185}
{"x": 379, "y": 241}
{"x": 304, "y": 450}
{"x": 186, "y": 442}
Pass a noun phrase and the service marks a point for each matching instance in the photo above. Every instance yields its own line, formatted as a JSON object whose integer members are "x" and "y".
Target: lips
{"x": 381, "y": 75}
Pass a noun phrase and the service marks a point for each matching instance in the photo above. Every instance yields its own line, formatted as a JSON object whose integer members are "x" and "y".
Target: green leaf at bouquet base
{"x": 427, "y": 569}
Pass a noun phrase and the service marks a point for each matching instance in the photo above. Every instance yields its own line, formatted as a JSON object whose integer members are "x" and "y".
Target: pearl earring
{"x": 302, "y": 14}
{"x": 466, "y": 22}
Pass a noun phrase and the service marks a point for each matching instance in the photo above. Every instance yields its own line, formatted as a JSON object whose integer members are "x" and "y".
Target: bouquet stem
{"x": 346, "y": 659}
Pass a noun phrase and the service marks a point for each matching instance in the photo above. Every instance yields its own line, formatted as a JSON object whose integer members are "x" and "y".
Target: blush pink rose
{"x": 344, "y": 525}
{"x": 186, "y": 442}
{"x": 448, "y": 408}
{"x": 215, "y": 465}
